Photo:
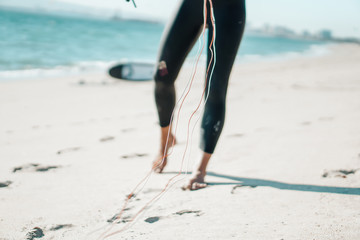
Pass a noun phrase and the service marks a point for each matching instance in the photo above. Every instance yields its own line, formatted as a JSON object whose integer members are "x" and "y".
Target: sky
{"x": 340, "y": 16}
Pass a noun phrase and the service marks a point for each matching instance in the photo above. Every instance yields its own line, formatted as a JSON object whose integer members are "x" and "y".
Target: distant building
{"x": 324, "y": 34}
{"x": 306, "y": 34}
{"x": 283, "y": 31}
{"x": 276, "y": 31}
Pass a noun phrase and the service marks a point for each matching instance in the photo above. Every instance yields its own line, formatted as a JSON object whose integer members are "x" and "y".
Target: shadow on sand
{"x": 255, "y": 182}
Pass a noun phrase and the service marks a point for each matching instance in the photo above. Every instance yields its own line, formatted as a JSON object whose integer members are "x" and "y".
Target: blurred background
{"x": 44, "y": 38}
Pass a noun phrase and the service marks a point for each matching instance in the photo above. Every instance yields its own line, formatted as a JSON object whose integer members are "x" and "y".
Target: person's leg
{"x": 230, "y": 22}
{"x": 178, "y": 40}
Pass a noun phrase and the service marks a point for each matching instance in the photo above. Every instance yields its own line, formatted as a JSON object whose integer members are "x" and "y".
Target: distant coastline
{"x": 81, "y": 12}
{"x": 284, "y": 32}
{"x": 38, "y": 44}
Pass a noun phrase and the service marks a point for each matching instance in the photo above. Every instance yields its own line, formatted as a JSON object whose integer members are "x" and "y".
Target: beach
{"x": 287, "y": 165}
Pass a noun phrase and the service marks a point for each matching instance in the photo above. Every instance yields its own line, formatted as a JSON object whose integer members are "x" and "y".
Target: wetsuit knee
{"x": 165, "y": 98}
{"x": 162, "y": 73}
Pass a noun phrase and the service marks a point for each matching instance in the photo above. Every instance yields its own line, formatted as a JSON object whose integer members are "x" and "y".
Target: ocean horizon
{"x": 36, "y": 45}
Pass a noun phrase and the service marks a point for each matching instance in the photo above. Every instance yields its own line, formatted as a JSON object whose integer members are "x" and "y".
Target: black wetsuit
{"x": 179, "y": 38}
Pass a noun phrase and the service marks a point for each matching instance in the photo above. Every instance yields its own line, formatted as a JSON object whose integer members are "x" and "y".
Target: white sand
{"x": 288, "y": 123}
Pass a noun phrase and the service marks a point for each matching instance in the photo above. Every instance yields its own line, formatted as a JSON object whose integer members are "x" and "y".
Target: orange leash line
{"x": 157, "y": 197}
{"x": 118, "y": 217}
{"x": 203, "y": 93}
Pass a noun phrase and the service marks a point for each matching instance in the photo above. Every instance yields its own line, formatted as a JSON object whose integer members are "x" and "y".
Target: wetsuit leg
{"x": 230, "y": 22}
{"x": 179, "y": 38}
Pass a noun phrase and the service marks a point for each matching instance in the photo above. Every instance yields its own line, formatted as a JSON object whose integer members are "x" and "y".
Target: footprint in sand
{"x": 306, "y": 123}
{"x": 342, "y": 173}
{"x": 36, "y": 232}
{"x": 60, "y": 226}
{"x": 5, "y": 184}
{"x": 326, "y": 119}
{"x": 127, "y": 130}
{"x": 67, "y": 150}
{"x": 33, "y": 167}
{"x": 135, "y": 155}
{"x": 196, "y": 212}
{"x": 236, "y": 135}
{"x": 152, "y": 190}
{"x": 107, "y": 139}
{"x": 124, "y": 219}
{"x": 154, "y": 219}
{"x": 241, "y": 186}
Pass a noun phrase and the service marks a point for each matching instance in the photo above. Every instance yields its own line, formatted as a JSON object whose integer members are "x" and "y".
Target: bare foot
{"x": 159, "y": 163}
{"x": 161, "y": 160}
{"x": 196, "y": 181}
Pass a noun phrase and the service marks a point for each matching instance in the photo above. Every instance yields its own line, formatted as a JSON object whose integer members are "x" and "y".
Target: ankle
{"x": 200, "y": 172}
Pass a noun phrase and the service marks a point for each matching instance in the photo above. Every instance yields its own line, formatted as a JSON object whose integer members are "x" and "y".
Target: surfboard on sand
{"x": 133, "y": 71}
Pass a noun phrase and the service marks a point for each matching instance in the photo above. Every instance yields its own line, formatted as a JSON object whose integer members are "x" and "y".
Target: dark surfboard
{"x": 133, "y": 71}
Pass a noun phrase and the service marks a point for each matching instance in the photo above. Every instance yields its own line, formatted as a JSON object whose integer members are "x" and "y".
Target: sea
{"x": 37, "y": 44}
